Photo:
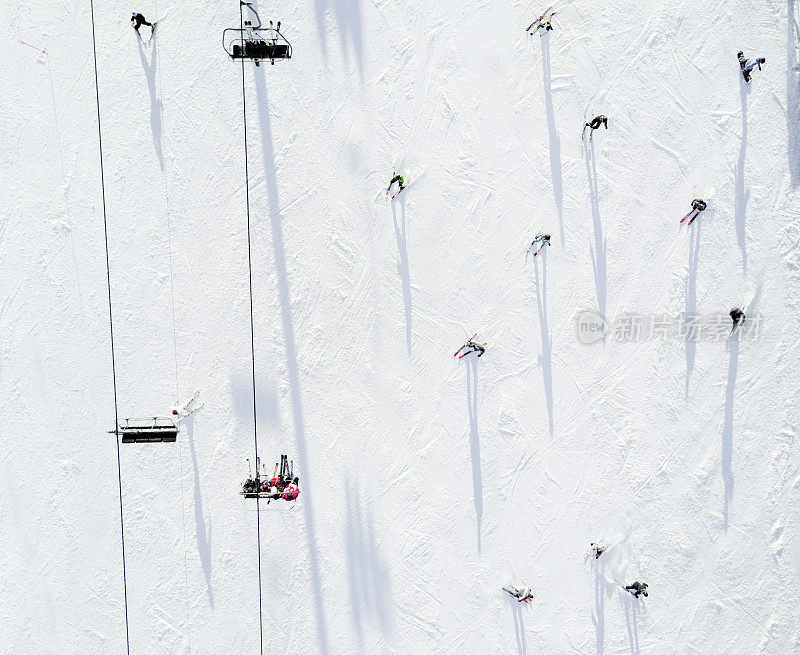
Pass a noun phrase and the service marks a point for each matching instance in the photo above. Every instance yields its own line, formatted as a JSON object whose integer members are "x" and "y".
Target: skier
{"x": 475, "y": 347}
{"x": 637, "y": 589}
{"x": 522, "y": 594}
{"x": 737, "y": 316}
{"x": 545, "y": 22}
{"x": 137, "y": 20}
{"x": 596, "y": 550}
{"x": 399, "y": 179}
{"x": 597, "y": 121}
{"x": 544, "y": 239}
{"x": 698, "y": 205}
{"x": 748, "y": 65}
{"x": 290, "y": 492}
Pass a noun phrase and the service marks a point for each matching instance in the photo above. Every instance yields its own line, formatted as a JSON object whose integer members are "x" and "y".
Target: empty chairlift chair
{"x": 255, "y": 42}
{"x": 147, "y": 430}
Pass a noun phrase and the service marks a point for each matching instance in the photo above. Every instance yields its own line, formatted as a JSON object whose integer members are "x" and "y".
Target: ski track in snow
{"x": 428, "y": 483}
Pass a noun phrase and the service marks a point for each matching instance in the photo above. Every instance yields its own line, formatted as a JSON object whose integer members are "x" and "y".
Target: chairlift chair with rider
{"x": 255, "y": 42}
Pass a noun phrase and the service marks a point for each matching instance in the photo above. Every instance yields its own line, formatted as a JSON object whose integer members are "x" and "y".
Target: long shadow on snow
{"x": 631, "y": 606}
{"x": 727, "y": 429}
{"x": 348, "y": 19}
{"x": 547, "y": 343}
{"x": 291, "y": 351}
{"x": 602, "y": 588}
{"x": 402, "y": 265}
{"x": 519, "y": 627}
{"x": 155, "y": 104}
{"x": 555, "y": 142}
{"x": 370, "y": 582}
{"x": 741, "y": 194}
{"x": 691, "y": 297}
{"x": 793, "y": 92}
{"x": 474, "y": 440}
{"x": 599, "y": 252}
{"x": 202, "y": 534}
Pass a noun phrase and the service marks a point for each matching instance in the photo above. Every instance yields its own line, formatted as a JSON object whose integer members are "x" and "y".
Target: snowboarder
{"x": 544, "y": 239}
{"x": 748, "y": 65}
{"x": 597, "y": 121}
{"x": 522, "y": 594}
{"x": 137, "y": 20}
{"x": 637, "y": 589}
{"x": 698, "y": 205}
{"x": 596, "y": 550}
{"x": 737, "y": 316}
{"x": 400, "y": 181}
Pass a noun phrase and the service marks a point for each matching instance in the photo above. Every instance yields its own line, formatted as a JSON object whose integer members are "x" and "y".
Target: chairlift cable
{"x": 111, "y": 329}
{"x": 252, "y": 337}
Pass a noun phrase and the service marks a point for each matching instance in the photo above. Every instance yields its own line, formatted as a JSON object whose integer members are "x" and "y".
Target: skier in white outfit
{"x": 522, "y": 594}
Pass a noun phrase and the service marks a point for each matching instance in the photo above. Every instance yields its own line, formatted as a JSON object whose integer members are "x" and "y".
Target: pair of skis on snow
{"x": 513, "y": 595}
{"x": 696, "y": 213}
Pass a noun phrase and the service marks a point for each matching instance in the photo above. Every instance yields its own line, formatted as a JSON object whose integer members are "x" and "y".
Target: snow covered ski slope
{"x": 428, "y": 483}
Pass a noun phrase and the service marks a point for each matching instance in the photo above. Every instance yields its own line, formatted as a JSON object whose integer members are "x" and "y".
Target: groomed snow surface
{"x": 427, "y": 483}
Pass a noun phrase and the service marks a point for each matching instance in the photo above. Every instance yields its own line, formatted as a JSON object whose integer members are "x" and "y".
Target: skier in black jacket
{"x": 737, "y": 316}
{"x": 597, "y": 121}
{"x": 137, "y": 20}
{"x": 638, "y": 589}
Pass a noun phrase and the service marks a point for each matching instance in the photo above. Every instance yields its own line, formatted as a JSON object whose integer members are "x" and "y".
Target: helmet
{"x": 763, "y": 59}
{"x": 739, "y": 54}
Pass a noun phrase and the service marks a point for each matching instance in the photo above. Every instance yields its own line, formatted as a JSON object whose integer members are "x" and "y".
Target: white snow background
{"x": 427, "y": 483}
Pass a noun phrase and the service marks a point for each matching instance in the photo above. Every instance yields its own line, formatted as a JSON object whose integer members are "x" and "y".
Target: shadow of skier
{"x": 599, "y": 251}
{"x": 402, "y": 265}
{"x": 155, "y": 103}
{"x": 555, "y": 142}
{"x": 691, "y": 298}
{"x": 474, "y": 440}
{"x": 546, "y": 359}
{"x": 202, "y": 534}
{"x": 742, "y": 195}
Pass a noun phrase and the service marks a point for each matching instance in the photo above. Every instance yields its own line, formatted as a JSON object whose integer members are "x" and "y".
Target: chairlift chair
{"x": 147, "y": 430}
{"x": 255, "y": 42}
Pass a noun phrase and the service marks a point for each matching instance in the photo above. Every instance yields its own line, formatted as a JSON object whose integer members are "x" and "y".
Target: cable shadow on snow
{"x": 155, "y": 104}
{"x": 348, "y": 20}
{"x": 546, "y": 358}
{"x": 555, "y": 142}
{"x": 202, "y": 534}
{"x": 742, "y": 195}
{"x": 370, "y": 582}
{"x": 691, "y": 298}
{"x": 727, "y": 428}
{"x": 793, "y": 92}
{"x": 599, "y": 251}
{"x": 282, "y": 280}
{"x": 474, "y": 440}
{"x": 402, "y": 264}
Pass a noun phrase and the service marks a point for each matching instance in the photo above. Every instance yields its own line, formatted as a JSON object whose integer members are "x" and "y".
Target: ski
{"x": 544, "y": 243}
{"x": 687, "y": 215}
{"x": 398, "y": 193}
{"x": 389, "y": 188}
{"x": 465, "y": 344}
